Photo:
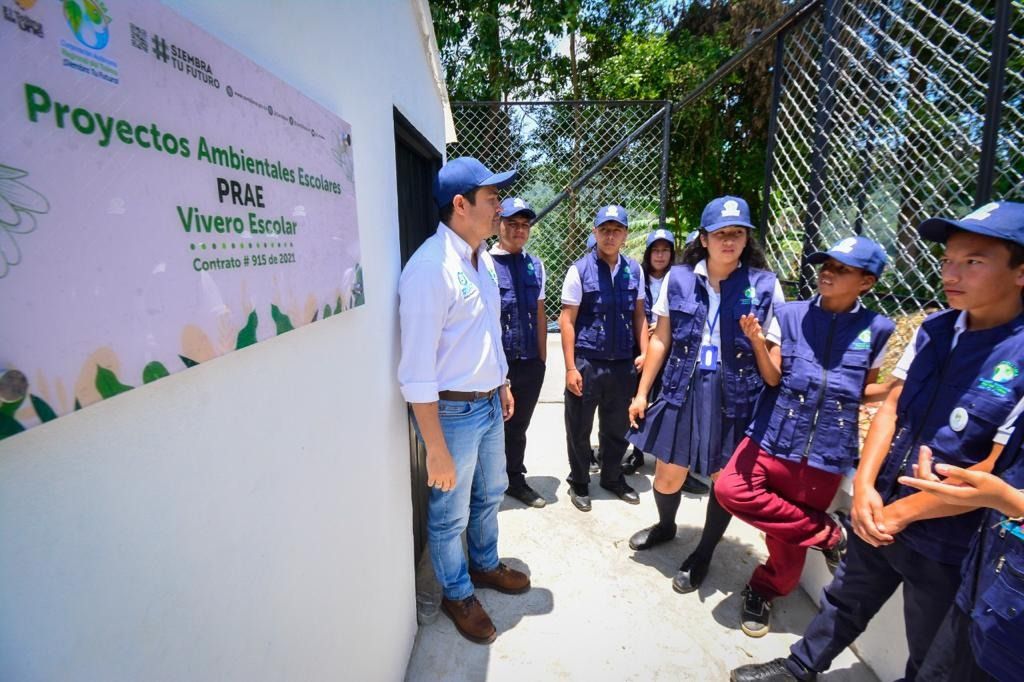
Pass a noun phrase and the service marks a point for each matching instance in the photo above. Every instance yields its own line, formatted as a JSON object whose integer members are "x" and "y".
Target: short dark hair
{"x": 446, "y": 212}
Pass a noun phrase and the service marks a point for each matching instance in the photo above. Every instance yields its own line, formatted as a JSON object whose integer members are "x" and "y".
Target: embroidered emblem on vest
{"x": 958, "y": 419}
{"x": 1002, "y": 373}
{"x": 863, "y": 341}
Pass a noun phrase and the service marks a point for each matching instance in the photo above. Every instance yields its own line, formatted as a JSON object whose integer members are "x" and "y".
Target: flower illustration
{"x": 18, "y": 205}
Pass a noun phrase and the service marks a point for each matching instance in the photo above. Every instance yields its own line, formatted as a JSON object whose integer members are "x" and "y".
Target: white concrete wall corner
{"x": 249, "y": 518}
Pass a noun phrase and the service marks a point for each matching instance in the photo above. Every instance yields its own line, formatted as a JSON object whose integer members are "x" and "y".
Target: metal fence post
{"x": 993, "y": 103}
{"x": 820, "y": 148}
{"x": 666, "y": 138}
{"x": 773, "y": 127}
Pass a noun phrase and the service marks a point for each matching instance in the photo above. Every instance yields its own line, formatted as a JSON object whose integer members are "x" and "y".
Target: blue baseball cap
{"x": 999, "y": 219}
{"x": 661, "y": 234}
{"x": 463, "y": 174}
{"x": 690, "y": 238}
{"x": 514, "y": 205}
{"x": 591, "y": 241}
{"x": 857, "y": 252}
{"x": 613, "y": 213}
{"x": 727, "y": 211}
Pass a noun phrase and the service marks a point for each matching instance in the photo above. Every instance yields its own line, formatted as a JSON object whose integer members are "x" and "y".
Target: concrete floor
{"x": 598, "y": 610}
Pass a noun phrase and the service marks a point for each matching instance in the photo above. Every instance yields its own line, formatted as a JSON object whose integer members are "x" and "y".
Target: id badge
{"x": 709, "y": 358}
{"x": 1014, "y": 528}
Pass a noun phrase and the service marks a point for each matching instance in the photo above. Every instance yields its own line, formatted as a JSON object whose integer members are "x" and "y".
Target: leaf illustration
{"x": 337, "y": 308}
{"x": 108, "y": 384}
{"x": 9, "y": 426}
{"x": 284, "y": 324}
{"x": 247, "y": 336}
{"x": 43, "y": 410}
{"x": 188, "y": 362}
{"x": 154, "y": 371}
{"x": 78, "y": 405}
{"x": 327, "y": 311}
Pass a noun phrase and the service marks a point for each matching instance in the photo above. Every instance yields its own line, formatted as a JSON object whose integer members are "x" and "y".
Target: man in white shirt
{"x": 453, "y": 372}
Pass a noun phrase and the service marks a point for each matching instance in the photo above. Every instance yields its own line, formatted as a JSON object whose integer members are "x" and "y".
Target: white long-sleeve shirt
{"x": 450, "y": 317}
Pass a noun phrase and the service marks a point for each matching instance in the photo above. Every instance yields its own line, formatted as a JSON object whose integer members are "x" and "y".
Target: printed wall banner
{"x": 163, "y": 201}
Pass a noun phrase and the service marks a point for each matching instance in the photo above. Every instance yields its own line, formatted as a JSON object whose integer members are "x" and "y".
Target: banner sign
{"x": 163, "y": 201}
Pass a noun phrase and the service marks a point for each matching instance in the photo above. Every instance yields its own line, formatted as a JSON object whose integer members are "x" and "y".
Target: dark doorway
{"x": 416, "y": 164}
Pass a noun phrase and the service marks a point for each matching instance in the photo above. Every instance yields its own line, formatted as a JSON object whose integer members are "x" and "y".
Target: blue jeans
{"x": 475, "y": 435}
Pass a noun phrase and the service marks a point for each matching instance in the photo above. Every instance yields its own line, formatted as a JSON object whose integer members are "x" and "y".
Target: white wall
{"x": 248, "y": 519}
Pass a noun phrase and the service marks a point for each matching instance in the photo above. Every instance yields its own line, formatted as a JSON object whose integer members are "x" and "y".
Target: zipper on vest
{"x": 920, "y": 427}
{"x": 824, "y": 385}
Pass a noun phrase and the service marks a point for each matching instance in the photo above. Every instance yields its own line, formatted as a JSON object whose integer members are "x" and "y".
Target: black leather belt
{"x": 467, "y": 396}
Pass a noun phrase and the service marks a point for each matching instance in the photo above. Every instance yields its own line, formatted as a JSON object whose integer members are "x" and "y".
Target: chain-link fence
{"x": 887, "y": 112}
{"x": 574, "y": 158}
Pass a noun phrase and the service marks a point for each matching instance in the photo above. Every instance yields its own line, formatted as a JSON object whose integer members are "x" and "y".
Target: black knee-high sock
{"x": 715, "y": 523}
{"x": 668, "y": 505}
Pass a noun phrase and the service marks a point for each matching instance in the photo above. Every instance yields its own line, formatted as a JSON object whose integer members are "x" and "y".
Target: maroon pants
{"x": 787, "y": 501}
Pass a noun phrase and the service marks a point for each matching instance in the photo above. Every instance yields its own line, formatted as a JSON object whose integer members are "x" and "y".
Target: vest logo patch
{"x": 749, "y": 296}
{"x": 863, "y": 341}
{"x": 467, "y": 287}
{"x": 1002, "y": 373}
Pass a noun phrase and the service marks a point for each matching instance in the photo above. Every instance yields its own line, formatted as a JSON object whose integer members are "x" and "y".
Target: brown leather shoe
{"x": 502, "y": 579}
{"x": 470, "y": 619}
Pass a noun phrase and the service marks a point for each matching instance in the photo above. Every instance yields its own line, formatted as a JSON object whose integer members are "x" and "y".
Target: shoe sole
{"x": 679, "y": 590}
{"x": 473, "y": 638}
{"x": 756, "y": 634}
{"x": 533, "y": 504}
{"x": 503, "y": 590}
{"x": 581, "y": 508}
{"x": 649, "y": 545}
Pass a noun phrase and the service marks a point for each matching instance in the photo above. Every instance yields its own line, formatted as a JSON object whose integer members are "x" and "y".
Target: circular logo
{"x": 751, "y": 292}
{"x": 88, "y": 20}
{"x": 958, "y": 419}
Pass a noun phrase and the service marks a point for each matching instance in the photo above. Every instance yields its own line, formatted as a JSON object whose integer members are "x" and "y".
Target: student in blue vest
{"x": 524, "y": 335}
{"x": 658, "y": 258}
{"x": 712, "y": 377}
{"x": 602, "y": 318}
{"x": 959, "y": 390}
{"x": 982, "y": 635}
{"x": 804, "y": 436}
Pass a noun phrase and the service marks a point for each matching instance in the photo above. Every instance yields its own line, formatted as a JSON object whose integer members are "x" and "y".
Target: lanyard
{"x": 711, "y": 325}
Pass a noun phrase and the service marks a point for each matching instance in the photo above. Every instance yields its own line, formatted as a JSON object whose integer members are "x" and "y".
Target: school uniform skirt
{"x": 696, "y": 435}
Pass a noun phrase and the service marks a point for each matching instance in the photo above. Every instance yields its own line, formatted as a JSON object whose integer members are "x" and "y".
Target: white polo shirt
{"x": 450, "y": 318}
{"x": 959, "y": 327}
{"x": 711, "y": 337}
{"x": 496, "y": 250}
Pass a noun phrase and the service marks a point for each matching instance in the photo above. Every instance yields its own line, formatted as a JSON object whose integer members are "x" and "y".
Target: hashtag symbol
{"x": 245, "y": 261}
{"x": 159, "y": 47}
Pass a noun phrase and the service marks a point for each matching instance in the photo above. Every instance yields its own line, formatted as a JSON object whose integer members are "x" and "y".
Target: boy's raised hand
{"x": 751, "y": 327}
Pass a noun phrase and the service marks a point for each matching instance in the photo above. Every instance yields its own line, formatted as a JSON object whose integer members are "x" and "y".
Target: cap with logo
{"x": 515, "y": 205}
{"x": 857, "y": 252}
{"x": 611, "y": 213}
{"x": 463, "y": 174}
{"x": 999, "y": 219}
{"x": 661, "y": 233}
{"x": 725, "y": 211}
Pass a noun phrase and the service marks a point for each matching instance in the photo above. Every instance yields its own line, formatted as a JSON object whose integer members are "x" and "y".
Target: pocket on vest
{"x": 997, "y": 628}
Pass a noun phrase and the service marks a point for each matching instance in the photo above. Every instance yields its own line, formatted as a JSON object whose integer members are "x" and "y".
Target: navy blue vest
{"x": 519, "y": 280}
{"x": 981, "y": 382}
{"x": 992, "y": 590}
{"x": 826, "y": 358}
{"x": 746, "y": 290}
{"x": 604, "y": 323}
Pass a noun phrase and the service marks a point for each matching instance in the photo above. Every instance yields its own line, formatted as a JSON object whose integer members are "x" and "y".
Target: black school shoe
{"x": 623, "y": 491}
{"x": 651, "y": 537}
{"x": 691, "y": 574}
{"x": 580, "y": 497}
{"x": 756, "y": 616}
{"x": 633, "y": 462}
{"x": 527, "y": 496}
{"x": 772, "y": 671}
